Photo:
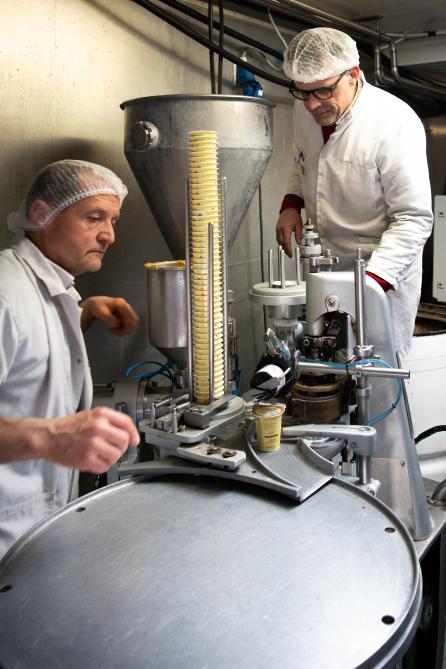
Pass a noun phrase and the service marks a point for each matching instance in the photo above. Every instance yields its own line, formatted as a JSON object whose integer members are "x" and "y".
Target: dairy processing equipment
{"x": 208, "y": 551}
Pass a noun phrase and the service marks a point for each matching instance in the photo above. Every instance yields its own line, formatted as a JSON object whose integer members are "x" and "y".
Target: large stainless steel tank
{"x": 156, "y": 146}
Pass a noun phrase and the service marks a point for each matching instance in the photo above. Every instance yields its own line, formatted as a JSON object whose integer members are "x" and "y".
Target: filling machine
{"x": 208, "y": 551}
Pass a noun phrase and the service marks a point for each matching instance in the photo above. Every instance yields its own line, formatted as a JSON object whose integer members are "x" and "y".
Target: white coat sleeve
{"x": 404, "y": 175}
{"x": 9, "y": 340}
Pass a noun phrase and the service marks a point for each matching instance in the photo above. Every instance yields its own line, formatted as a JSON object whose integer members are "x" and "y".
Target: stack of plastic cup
{"x": 204, "y": 209}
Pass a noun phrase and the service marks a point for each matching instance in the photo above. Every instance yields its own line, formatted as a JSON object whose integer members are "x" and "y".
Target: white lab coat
{"x": 44, "y": 373}
{"x": 368, "y": 186}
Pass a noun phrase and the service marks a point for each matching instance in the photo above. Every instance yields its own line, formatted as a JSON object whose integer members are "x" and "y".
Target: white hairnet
{"x": 319, "y": 53}
{"x": 60, "y": 185}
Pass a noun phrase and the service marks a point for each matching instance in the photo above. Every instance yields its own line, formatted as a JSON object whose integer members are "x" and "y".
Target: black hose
{"x": 186, "y": 30}
{"x": 429, "y": 432}
{"x": 211, "y": 51}
{"x": 228, "y": 31}
{"x": 221, "y": 43}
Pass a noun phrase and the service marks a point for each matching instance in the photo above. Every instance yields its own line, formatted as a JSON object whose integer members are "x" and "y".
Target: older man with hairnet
{"x": 47, "y": 431}
{"x": 360, "y": 170}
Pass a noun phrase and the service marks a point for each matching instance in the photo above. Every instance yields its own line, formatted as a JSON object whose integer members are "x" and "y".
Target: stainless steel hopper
{"x": 156, "y": 146}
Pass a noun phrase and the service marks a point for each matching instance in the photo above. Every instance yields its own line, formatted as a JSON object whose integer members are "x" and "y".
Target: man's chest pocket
{"x": 355, "y": 189}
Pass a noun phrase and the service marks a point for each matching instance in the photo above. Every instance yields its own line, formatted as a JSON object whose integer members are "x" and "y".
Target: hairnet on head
{"x": 60, "y": 185}
{"x": 319, "y": 53}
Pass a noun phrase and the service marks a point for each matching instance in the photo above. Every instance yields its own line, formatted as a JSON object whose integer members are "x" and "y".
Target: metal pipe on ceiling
{"x": 314, "y": 16}
{"x": 199, "y": 37}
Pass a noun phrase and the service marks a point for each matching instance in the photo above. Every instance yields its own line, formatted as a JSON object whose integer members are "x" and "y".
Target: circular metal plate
{"x": 187, "y": 572}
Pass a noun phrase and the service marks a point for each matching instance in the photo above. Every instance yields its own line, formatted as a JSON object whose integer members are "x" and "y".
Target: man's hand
{"x": 116, "y": 313}
{"x": 90, "y": 441}
{"x": 289, "y": 221}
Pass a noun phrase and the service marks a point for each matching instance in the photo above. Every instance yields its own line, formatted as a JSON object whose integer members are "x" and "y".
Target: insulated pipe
{"x": 374, "y": 35}
{"x": 438, "y": 92}
{"x": 245, "y": 39}
{"x": 198, "y": 37}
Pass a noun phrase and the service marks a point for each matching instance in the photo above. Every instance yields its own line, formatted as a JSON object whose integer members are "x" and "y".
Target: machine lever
{"x": 361, "y": 438}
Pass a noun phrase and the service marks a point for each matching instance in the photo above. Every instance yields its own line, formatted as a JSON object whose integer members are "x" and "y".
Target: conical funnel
{"x": 156, "y": 146}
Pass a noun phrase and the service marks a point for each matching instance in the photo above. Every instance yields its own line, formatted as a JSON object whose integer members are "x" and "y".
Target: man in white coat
{"x": 47, "y": 431}
{"x": 360, "y": 170}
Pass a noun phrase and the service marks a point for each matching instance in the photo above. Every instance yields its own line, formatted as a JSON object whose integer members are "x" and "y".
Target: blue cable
{"x": 376, "y": 419}
{"x": 164, "y": 370}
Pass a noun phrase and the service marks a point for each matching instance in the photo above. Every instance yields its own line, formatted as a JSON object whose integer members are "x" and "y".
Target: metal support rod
{"x": 270, "y": 268}
{"x": 282, "y": 269}
{"x": 224, "y": 264}
{"x": 363, "y": 389}
{"x": 188, "y": 293}
{"x": 354, "y": 370}
{"x": 364, "y": 470}
{"x": 211, "y": 310}
{"x": 279, "y": 266}
{"x": 298, "y": 269}
{"x": 360, "y": 301}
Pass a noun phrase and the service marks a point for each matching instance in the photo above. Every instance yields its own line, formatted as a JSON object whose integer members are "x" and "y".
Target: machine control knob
{"x": 143, "y": 136}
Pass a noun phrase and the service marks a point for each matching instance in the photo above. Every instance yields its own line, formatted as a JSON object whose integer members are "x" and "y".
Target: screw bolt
{"x": 229, "y": 454}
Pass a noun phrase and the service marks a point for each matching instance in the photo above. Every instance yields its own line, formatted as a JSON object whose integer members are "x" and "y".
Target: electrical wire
{"x": 230, "y": 32}
{"x": 221, "y": 40}
{"x": 273, "y": 23}
{"x": 430, "y": 432}
{"x": 273, "y": 66}
{"x": 198, "y": 37}
{"x": 164, "y": 370}
{"x": 374, "y": 361}
{"x": 211, "y": 51}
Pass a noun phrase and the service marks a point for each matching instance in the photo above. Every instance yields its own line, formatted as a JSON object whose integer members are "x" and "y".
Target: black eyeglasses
{"x": 319, "y": 93}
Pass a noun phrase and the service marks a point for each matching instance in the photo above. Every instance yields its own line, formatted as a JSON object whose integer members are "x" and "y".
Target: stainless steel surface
{"x": 210, "y": 573}
{"x": 245, "y": 474}
{"x": 402, "y": 486}
{"x": 244, "y": 127}
{"x": 213, "y": 417}
{"x": 363, "y": 389}
{"x": 293, "y": 463}
{"x": 167, "y": 311}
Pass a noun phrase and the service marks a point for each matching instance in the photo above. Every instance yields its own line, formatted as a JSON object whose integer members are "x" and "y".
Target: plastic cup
{"x": 268, "y": 425}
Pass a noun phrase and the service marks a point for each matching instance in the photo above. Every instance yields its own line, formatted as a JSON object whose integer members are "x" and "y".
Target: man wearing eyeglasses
{"x": 360, "y": 170}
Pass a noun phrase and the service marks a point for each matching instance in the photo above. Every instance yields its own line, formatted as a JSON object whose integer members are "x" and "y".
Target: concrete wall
{"x": 66, "y": 65}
